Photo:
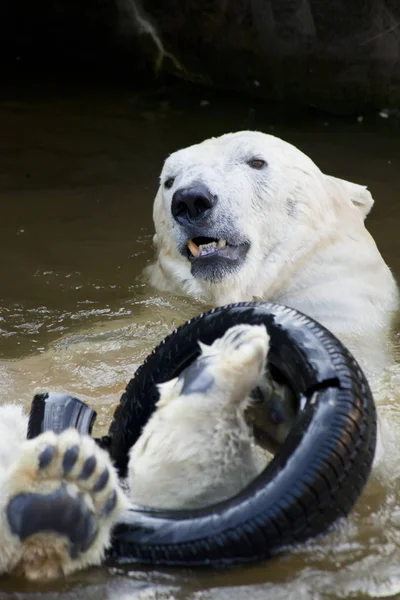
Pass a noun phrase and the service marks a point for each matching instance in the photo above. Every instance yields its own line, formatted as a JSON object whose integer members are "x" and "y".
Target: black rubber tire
{"x": 57, "y": 412}
{"x": 314, "y": 478}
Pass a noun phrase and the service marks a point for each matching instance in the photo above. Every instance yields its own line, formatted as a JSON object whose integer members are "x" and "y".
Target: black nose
{"x": 189, "y": 204}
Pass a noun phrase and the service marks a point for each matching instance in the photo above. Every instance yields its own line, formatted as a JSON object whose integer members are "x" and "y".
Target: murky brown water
{"x": 78, "y": 173}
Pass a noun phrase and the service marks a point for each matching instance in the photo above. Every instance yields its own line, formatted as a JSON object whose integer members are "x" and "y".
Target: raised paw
{"x": 240, "y": 354}
{"x": 234, "y": 364}
{"x": 64, "y": 496}
{"x": 240, "y": 343}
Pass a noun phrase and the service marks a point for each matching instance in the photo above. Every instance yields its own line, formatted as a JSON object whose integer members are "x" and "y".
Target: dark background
{"x": 341, "y": 56}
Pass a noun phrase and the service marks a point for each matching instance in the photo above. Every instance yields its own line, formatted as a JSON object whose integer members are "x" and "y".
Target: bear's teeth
{"x": 209, "y": 245}
{"x": 219, "y": 244}
{"x": 193, "y": 248}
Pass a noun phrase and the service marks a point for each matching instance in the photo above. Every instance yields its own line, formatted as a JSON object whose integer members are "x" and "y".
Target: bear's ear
{"x": 358, "y": 195}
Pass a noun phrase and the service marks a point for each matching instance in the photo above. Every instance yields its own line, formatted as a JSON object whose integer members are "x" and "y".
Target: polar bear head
{"x": 230, "y": 206}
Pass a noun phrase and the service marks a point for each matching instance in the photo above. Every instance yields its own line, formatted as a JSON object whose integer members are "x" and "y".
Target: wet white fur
{"x": 309, "y": 247}
{"x": 194, "y": 451}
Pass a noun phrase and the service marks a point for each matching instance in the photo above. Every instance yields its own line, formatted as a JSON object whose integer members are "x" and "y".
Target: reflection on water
{"x": 77, "y": 179}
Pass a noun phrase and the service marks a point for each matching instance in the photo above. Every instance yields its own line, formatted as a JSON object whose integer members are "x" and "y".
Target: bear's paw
{"x": 64, "y": 497}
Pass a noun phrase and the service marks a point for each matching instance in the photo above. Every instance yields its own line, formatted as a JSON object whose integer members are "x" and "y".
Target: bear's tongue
{"x": 203, "y": 249}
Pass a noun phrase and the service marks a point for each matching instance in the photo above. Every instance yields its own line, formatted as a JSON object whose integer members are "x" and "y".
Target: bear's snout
{"x": 193, "y": 203}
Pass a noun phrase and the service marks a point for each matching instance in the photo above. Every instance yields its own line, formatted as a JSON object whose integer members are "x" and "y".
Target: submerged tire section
{"x": 314, "y": 478}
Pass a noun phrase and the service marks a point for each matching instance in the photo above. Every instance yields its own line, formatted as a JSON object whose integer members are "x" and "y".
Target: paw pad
{"x": 46, "y": 457}
{"x": 57, "y": 512}
{"x": 197, "y": 378}
{"x": 88, "y": 468}
{"x": 102, "y": 481}
{"x": 70, "y": 458}
{"x": 70, "y": 491}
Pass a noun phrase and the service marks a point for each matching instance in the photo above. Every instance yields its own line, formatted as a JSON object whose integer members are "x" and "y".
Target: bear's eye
{"x": 256, "y": 163}
{"x": 168, "y": 183}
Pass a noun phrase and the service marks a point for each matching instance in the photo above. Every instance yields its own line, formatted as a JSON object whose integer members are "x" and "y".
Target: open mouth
{"x": 212, "y": 259}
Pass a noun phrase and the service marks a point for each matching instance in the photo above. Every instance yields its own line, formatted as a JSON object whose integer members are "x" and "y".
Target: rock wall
{"x": 341, "y": 55}
{"x": 336, "y": 54}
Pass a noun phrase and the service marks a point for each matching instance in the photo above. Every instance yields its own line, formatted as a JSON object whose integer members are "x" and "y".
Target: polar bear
{"x": 207, "y": 451}
{"x": 241, "y": 217}
{"x": 247, "y": 216}
{"x": 60, "y": 495}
